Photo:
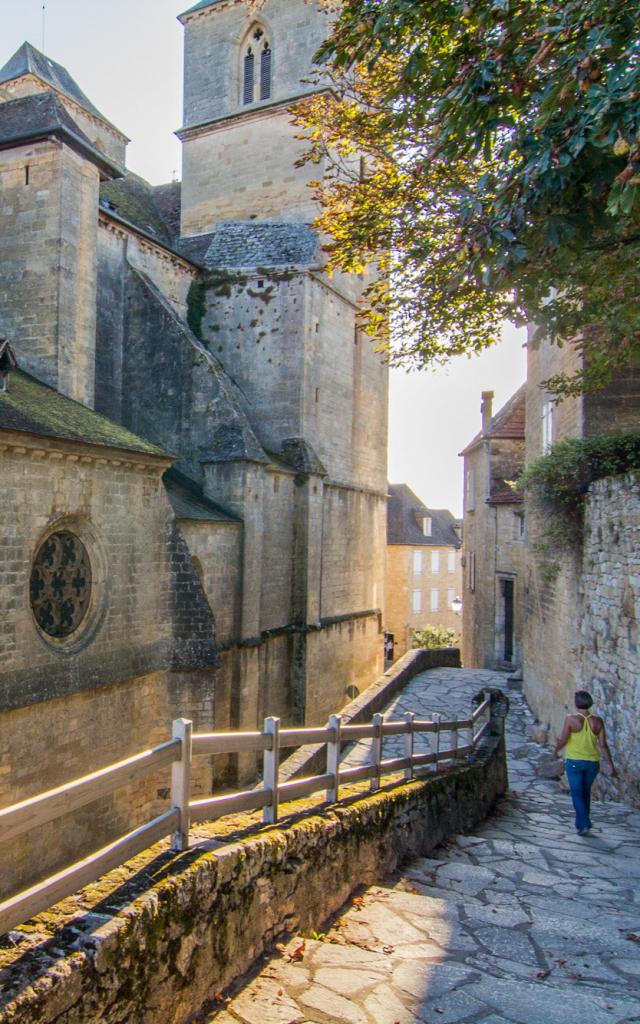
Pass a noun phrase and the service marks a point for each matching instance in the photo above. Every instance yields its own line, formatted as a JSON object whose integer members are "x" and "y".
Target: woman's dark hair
{"x": 584, "y": 700}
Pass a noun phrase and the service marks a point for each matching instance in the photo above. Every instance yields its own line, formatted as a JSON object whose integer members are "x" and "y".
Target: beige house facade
{"x": 424, "y": 572}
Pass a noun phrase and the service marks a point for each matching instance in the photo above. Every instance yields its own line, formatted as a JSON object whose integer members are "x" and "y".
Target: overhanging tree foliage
{"x": 487, "y": 153}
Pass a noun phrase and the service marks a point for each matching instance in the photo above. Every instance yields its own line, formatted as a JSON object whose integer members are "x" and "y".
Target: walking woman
{"x": 585, "y": 739}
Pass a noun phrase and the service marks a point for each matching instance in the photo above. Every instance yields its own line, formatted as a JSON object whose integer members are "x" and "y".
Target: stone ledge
{"x": 215, "y": 912}
{"x": 310, "y": 759}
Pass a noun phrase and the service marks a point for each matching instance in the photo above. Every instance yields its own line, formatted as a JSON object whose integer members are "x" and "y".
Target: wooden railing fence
{"x": 179, "y": 753}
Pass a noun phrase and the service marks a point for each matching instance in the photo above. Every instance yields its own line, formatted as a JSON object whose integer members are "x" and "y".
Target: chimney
{"x": 486, "y": 409}
{"x": 8, "y": 362}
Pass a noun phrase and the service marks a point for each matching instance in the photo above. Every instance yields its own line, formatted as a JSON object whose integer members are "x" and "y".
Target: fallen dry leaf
{"x": 543, "y": 974}
{"x": 632, "y": 937}
{"x": 298, "y": 953}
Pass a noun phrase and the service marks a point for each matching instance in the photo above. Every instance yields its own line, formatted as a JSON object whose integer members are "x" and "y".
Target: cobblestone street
{"x": 523, "y": 922}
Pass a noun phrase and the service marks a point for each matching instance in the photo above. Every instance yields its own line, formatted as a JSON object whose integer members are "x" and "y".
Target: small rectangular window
{"x": 452, "y": 561}
{"x": 471, "y": 571}
{"x": 417, "y": 601}
{"x": 451, "y": 596}
{"x": 417, "y": 561}
{"x": 435, "y": 561}
{"x": 427, "y": 526}
{"x": 26, "y": 175}
{"x": 435, "y": 600}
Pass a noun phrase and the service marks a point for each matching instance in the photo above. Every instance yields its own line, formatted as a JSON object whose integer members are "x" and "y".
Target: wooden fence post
{"x": 333, "y": 757}
{"x": 376, "y": 751}
{"x": 181, "y": 783}
{"x": 454, "y": 742}
{"x": 408, "y": 743}
{"x": 437, "y": 718}
{"x": 270, "y": 769}
{"x": 477, "y": 724}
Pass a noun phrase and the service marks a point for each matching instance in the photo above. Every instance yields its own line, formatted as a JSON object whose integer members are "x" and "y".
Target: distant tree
{"x": 487, "y": 154}
{"x": 434, "y": 636}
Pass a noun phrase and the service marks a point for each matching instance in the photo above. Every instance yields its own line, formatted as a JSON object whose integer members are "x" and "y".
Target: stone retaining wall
{"x": 216, "y": 911}
{"x": 311, "y": 759}
{"x": 582, "y": 630}
{"x": 609, "y": 627}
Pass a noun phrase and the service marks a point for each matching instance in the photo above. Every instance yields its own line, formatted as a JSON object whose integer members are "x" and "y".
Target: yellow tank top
{"x": 583, "y": 745}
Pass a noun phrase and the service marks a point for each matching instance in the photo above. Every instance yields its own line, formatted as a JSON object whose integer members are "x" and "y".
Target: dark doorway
{"x": 507, "y": 595}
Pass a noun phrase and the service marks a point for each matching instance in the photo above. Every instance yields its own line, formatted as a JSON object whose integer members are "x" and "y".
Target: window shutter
{"x": 265, "y": 73}
{"x": 249, "y": 77}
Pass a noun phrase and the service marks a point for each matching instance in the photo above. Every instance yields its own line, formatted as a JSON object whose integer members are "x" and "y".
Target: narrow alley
{"x": 523, "y": 922}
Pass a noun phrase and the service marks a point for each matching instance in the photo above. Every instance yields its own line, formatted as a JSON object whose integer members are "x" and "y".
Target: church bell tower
{"x": 245, "y": 65}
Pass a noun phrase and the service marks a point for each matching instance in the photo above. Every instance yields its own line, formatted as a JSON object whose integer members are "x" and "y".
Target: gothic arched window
{"x": 256, "y": 80}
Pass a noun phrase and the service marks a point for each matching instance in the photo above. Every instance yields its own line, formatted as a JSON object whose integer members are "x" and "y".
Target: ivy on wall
{"x": 557, "y": 484}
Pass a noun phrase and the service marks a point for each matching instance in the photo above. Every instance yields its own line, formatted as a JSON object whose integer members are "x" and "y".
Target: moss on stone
{"x": 35, "y": 408}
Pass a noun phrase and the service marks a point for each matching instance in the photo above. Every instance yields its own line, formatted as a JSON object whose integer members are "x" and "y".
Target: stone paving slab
{"x": 520, "y": 923}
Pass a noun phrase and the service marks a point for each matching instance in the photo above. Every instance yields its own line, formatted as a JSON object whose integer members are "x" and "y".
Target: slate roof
{"x": 194, "y": 247}
{"x": 198, "y": 7}
{"x": 404, "y": 521}
{"x": 28, "y": 60}
{"x": 168, "y": 199}
{"x": 508, "y": 422}
{"x": 189, "y": 502}
{"x": 42, "y": 115}
{"x": 31, "y": 407}
{"x": 261, "y": 243}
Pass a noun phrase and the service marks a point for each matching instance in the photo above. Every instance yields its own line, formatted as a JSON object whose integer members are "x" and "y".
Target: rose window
{"x": 61, "y": 585}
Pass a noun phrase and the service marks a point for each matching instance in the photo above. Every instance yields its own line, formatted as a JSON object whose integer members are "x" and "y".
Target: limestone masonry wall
{"x": 138, "y": 661}
{"x": 609, "y": 631}
{"x": 210, "y": 915}
{"x": 581, "y": 629}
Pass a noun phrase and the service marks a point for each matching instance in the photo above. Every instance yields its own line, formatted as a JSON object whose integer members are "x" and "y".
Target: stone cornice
{"x": 254, "y": 112}
{"x": 58, "y": 449}
{"x": 117, "y": 225}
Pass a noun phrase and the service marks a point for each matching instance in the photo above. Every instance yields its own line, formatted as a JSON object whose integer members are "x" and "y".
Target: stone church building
{"x": 193, "y": 441}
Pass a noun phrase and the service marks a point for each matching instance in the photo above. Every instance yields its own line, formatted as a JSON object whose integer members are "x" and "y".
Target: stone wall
{"x": 208, "y": 919}
{"x": 493, "y": 551}
{"x": 48, "y": 263}
{"x": 242, "y": 163}
{"x": 609, "y": 624}
{"x": 144, "y": 655}
{"x": 581, "y": 629}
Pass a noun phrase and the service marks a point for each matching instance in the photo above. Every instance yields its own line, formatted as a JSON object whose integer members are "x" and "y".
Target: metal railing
{"x": 179, "y": 752}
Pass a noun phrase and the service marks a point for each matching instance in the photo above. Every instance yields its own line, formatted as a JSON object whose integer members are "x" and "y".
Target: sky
{"x": 126, "y": 55}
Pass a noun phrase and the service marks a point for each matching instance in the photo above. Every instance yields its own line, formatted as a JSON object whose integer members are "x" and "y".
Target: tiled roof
{"x": 31, "y": 407}
{"x": 261, "y": 243}
{"x": 405, "y": 513}
{"x": 508, "y": 423}
{"x": 189, "y": 502}
{"x": 41, "y": 115}
{"x": 28, "y": 60}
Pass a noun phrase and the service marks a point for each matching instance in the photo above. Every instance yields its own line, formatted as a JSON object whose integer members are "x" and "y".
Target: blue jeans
{"x": 581, "y": 775}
